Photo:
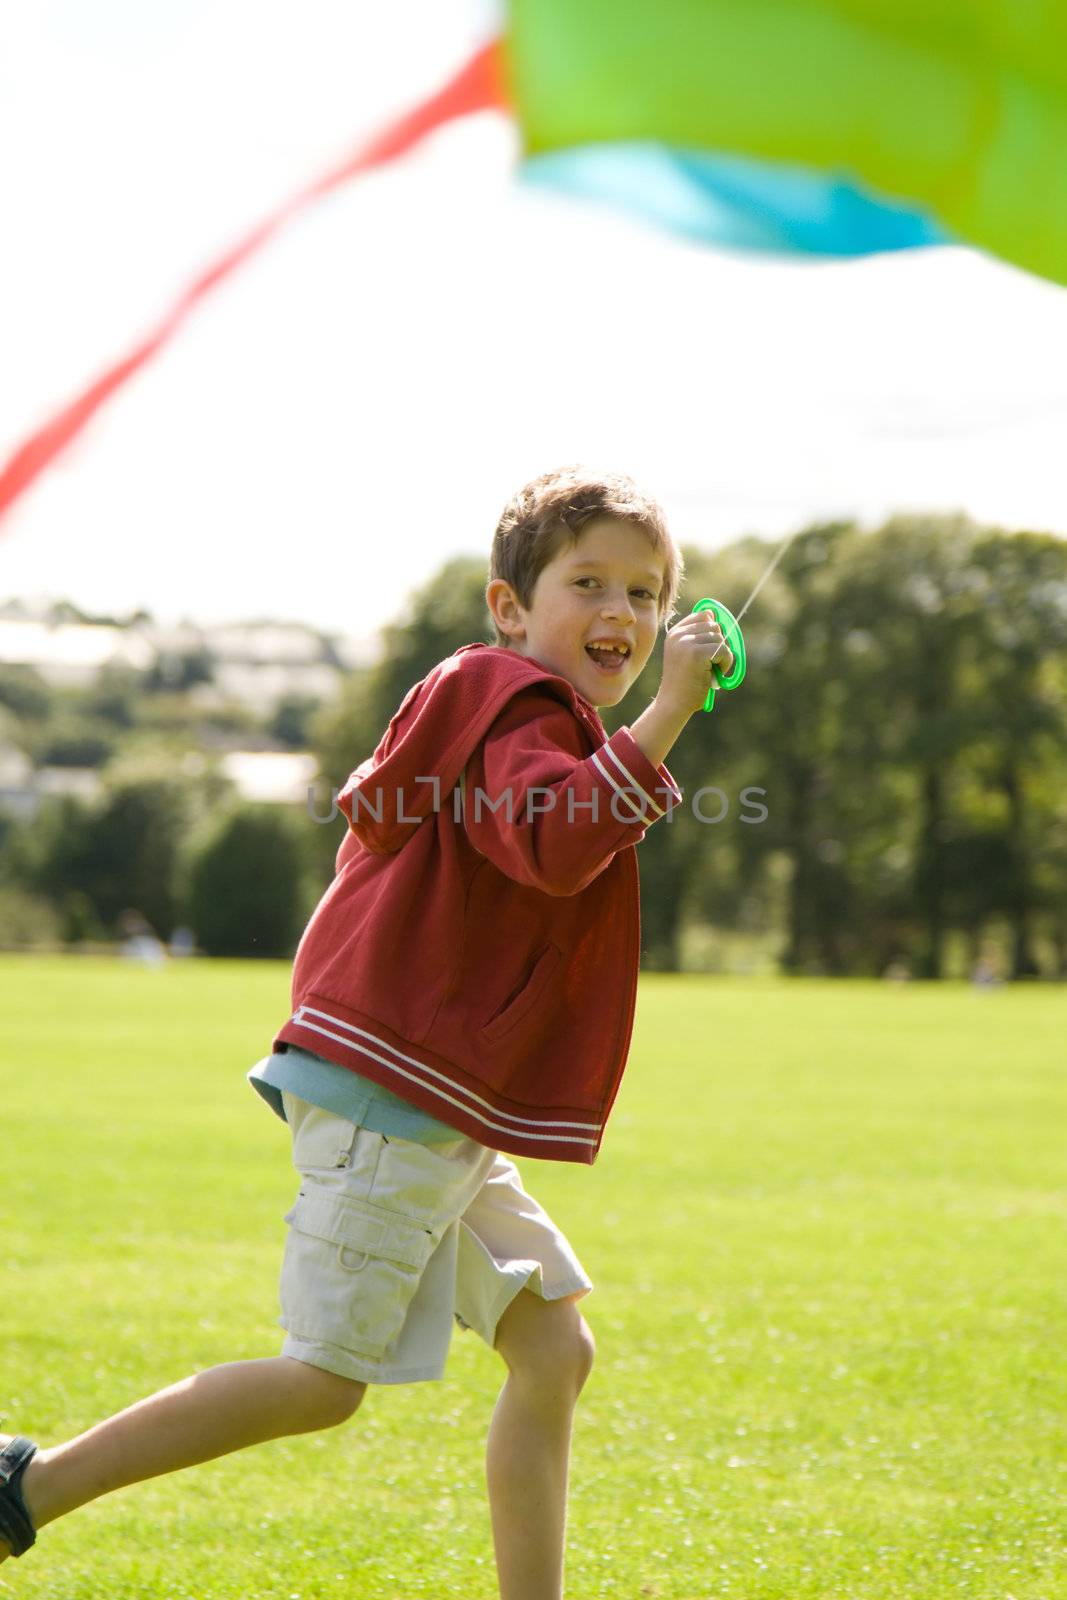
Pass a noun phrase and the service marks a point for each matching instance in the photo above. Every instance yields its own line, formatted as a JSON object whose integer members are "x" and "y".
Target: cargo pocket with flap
{"x": 350, "y": 1271}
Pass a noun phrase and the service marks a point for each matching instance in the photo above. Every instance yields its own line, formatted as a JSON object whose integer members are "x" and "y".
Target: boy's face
{"x": 605, "y": 587}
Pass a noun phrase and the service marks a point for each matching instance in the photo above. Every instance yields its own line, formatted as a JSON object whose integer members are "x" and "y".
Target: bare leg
{"x": 224, "y": 1409}
{"x": 549, "y": 1352}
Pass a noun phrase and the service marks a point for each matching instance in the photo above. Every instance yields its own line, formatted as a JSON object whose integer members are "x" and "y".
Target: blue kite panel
{"x": 736, "y": 202}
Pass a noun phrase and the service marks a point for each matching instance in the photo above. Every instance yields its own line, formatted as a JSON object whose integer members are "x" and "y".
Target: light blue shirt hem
{"x": 347, "y": 1094}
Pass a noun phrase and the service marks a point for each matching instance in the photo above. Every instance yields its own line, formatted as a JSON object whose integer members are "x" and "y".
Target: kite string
{"x": 767, "y": 571}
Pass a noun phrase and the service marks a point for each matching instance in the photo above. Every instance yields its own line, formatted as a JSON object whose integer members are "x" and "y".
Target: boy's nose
{"x": 618, "y": 606}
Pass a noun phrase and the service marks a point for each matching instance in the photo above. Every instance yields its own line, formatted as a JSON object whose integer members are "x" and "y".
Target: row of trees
{"x": 181, "y": 855}
{"x": 167, "y": 836}
{"x": 901, "y": 736}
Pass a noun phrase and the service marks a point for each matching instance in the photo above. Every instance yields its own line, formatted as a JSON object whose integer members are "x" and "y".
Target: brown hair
{"x": 537, "y": 522}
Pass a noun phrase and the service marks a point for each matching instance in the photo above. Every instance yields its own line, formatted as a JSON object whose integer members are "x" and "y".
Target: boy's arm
{"x": 547, "y": 814}
{"x": 657, "y": 729}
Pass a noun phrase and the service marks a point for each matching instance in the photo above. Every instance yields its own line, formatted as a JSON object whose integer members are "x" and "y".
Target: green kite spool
{"x": 735, "y": 639}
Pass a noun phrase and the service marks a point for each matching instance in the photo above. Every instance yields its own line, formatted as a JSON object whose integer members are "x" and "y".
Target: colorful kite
{"x": 834, "y": 127}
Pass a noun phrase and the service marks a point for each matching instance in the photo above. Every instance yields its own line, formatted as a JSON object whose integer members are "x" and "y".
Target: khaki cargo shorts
{"x": 391, "y": 1242}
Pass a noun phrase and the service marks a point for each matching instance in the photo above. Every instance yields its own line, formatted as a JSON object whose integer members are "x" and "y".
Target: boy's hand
{"x": 689, "y": 649}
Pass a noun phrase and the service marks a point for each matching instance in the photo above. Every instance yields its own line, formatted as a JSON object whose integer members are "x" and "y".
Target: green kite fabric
{"x": 959, "y": 106}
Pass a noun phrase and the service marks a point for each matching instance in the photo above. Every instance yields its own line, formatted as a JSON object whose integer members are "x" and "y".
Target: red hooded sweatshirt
{"x": 477, "y": 951}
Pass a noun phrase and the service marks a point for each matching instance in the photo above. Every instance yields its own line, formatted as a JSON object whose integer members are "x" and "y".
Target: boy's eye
{"x": 647, "y": 592}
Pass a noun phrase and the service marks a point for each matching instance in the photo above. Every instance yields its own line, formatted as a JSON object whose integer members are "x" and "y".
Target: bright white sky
{"x": 356, "y": 405}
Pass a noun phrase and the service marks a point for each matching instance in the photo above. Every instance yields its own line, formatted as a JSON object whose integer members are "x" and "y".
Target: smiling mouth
{"x": 610, "y": 662}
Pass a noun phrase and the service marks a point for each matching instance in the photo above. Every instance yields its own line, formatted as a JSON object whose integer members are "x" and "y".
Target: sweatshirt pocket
{"x": 520, "y": 1002}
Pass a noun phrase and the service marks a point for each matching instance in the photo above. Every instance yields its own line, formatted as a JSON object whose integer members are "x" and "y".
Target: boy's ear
{"x": 503, "y": 603}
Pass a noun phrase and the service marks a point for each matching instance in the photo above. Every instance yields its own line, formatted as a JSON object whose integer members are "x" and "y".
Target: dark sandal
{"x": 15, "y": 1524}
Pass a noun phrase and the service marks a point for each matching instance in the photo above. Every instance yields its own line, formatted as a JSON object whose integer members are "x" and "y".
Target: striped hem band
{"x": 537, "y": 1129}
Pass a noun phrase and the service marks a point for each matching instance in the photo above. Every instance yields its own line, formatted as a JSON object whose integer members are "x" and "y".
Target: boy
{"x": 464, "y": 991}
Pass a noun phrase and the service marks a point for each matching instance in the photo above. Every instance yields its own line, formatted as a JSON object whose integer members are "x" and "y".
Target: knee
{"x": 556, "y": 1356}
{"x": 567, "y": 1360}
{"x": 328, "y": 1399}
{"x": 341, "y": 1401}
{"x": 582, "y": 1355}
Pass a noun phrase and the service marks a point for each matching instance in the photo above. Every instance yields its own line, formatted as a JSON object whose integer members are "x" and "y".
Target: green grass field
{"x": 827, "y": 1233}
